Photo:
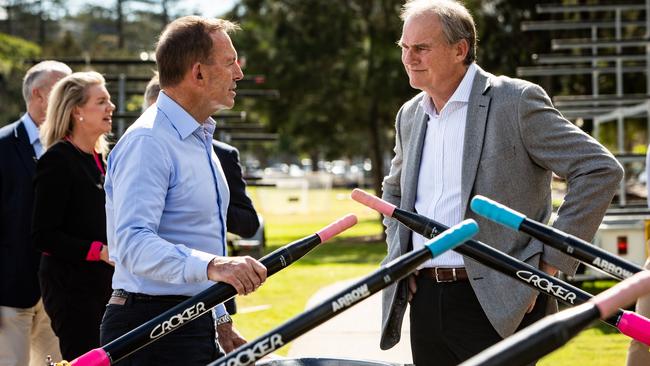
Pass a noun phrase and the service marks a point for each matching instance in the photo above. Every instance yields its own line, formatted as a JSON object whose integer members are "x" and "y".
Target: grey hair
{"x": 151, "y": 92}
{"x": 35, "y": 74}
{"x": 457, "y": 23}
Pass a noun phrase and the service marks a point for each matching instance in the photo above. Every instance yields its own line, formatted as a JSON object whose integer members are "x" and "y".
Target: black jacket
{"x": 242, "y": 218}
{"x": 19, "y": 260}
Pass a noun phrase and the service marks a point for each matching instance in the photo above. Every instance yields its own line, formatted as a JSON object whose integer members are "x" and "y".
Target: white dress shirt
{"x": 439, "y": 180}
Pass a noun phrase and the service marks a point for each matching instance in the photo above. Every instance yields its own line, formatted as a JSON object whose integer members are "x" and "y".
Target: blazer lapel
{"x": 477, "y": 113}
{"x": 25, "y": 149}
{"x": 412, "y": 170}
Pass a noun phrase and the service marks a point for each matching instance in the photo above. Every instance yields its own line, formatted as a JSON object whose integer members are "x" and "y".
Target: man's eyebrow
{"x": 418, "y": 45}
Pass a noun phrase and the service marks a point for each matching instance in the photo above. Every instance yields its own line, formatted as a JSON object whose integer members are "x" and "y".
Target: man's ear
{"x": 462, "y": 48}
{"x": 196, "y": 72}
{"x": 37, "y": 95}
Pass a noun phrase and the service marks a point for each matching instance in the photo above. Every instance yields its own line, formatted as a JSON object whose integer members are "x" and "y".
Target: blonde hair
{"x": 67, "y": 93}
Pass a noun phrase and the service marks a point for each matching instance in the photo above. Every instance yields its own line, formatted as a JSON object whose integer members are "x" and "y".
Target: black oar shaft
{"x": 201, "y": 303}
{"x": 502, "y": 262}
{"x": 295, "y": 327}
{"x": 383, "y": 277}
{"x": 581, "y": 250}
{"x": 537, "y": 340}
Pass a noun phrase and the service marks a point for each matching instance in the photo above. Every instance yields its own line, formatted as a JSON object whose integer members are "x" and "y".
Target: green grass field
{"x": 292, "y": 214}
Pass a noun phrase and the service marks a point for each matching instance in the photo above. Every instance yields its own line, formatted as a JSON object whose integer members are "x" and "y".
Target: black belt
{"x": 122, "y": 296}
{"x": 442, "y": 274}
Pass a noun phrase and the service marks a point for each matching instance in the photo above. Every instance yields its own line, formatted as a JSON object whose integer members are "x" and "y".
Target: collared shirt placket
{"x": 206, "y": 139}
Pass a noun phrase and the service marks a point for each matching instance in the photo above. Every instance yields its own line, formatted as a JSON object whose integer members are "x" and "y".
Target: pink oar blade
{"x": 96, "y": 357}
{"x": 623, "y": 294}
{"x": 336, "y": 227}
{"x": 373, "y": 202}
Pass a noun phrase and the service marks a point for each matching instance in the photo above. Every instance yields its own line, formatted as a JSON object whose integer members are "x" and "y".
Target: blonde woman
{"x": 69, "y": 221}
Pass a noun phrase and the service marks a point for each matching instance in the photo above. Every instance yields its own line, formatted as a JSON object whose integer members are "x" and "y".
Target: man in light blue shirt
{"x": 167, "y": 198}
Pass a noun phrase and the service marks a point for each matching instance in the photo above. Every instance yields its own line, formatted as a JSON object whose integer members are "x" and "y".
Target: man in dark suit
{"x": 241, "y": 218}
{"x": 26, "y": 337}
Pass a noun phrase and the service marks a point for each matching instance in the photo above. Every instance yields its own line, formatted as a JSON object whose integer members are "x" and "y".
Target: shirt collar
{"x": 30, "y": 126}
{"x": 182, "y": 121}
{"x": 461, "y": 94}
{"x": 208, "y": 127}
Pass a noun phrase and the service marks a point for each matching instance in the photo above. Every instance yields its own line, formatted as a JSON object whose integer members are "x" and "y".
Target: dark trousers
{"x": 192, "y": 344}
{"x": 448, "y": 325}
{"x": 74, "y": 296}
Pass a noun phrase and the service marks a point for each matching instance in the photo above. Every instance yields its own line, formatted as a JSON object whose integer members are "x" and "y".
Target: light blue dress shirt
{"x": 32, "y": 133}
{"x": 166, "y": 203}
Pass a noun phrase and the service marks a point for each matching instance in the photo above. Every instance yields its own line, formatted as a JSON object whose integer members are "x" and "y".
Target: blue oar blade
{"x": 497, "y": 212}
{"x": 452, "y": 237}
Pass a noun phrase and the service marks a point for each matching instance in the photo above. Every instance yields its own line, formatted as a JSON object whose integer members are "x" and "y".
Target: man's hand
{"x": 413, "y": 287}
{"x": 245, "y": 274}
{"x": 229, "y": 337}
{"x": 549, "y": 269}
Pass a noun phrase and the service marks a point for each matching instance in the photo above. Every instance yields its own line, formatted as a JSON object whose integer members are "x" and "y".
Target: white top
{"x": 439, "y": 182}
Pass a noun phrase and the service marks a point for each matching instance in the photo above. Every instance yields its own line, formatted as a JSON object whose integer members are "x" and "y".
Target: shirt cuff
{"x": 219, "y": 311}
{"x": 196, "y": 266}
{"x": 94, "y": 253}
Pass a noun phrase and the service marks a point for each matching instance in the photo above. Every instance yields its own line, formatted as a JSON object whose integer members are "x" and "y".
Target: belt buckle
{"x": 120, "y": 293}
{"x": 453, "y": 273}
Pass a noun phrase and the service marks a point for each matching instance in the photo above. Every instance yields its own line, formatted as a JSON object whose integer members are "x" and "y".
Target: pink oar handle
{"x": 96, "y": 357}
{"x": 623, "y": 294}
{"x": 373, "y": 202}
{"x": 336, "y": 227}
{"x": 635, "y": 326}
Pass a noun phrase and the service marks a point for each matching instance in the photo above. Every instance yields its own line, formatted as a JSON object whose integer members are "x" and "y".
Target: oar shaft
{"x": 383, "y": 277}
{"x": 581, "y": 250}
{"x": 203, "y": 302}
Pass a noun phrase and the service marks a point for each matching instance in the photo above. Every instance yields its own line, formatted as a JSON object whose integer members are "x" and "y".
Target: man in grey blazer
{"x": 470, "y": 132}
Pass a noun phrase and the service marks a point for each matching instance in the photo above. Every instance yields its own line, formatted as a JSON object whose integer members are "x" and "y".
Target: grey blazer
{"x": 514, "y": 140}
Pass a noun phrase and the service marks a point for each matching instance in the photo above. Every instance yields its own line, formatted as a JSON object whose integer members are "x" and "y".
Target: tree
{"x": 337, "y": 68}
{"x": 13, "y": 51}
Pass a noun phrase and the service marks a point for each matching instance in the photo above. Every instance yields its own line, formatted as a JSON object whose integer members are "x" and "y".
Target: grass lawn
{"x": 285, "y": 294}
{"x": 293, "y": 214}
